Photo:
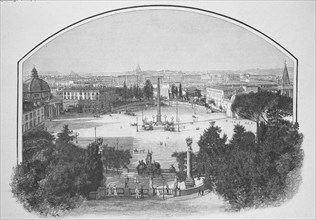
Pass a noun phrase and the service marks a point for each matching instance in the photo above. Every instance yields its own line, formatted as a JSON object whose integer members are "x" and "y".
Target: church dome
{"x": 35, "y": 88}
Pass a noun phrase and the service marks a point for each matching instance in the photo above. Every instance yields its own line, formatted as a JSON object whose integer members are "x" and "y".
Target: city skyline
{"x": 156, "y": 40}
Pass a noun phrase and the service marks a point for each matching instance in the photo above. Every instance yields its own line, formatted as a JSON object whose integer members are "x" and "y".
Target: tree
{"x": 247, "y": 174}
{"x": 253, "y": 106}
{"x": 54, "y": 178}
{"x": 212, "y": 146}
{"x": 124, "y": 92}
{"x": 148, "y": 90}
{"x": 113, "y": 158}
{"x": 65, "y": 135}
{"x": 36, "y": 145}
{"x": 180, "y": 90}
{"x": 94, "y": 166}
{"x": 50, "y": 181}
{"x": 176, "y": 91}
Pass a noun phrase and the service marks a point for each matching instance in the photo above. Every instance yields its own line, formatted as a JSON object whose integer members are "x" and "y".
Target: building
{"x": 219, "y": 95}
{"x": 286, "y": 87}
{"x": 33, "y": 117}
{"x": 88, "y": 99}
{"x": 129, "y": 80}
{"x": 36, "y": 89}
{"x": 191, "y": 78}
{"x": 37, "y": 92}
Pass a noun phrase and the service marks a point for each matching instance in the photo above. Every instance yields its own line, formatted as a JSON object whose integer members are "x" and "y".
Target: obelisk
{"x": 158, "y": 103}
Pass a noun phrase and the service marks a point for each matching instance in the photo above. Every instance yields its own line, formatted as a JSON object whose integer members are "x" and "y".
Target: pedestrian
{"x": 114, "y": 190}
{"x": 199, "y": 193}
{"x": 141, "y": 192}
{"x": 137, "y": 193}
{"x": 202, "y": 192}
{"x": 158, "y": 192}
{"x": 110, "y": 190}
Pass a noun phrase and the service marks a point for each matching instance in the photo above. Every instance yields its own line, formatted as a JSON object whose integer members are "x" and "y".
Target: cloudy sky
{"x": 156, "y": 40}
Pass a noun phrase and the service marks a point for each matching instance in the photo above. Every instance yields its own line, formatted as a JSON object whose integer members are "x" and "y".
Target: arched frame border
{"x": 136, "y": 8}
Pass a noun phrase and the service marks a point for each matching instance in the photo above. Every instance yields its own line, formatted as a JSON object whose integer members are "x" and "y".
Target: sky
{"x": 156, "y": 40}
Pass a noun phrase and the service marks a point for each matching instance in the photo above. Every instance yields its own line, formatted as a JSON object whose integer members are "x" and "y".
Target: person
{"x": 158, "y": 192}
{"x": 137, "y": 193}
{"x": 179, "y": 190}
{"x": 114, "y": 190}
{"x": 202, "y": 192}
{"x": 167, "y": 188}
{"x": 110, "y": 190}
{"x": 141, "y": 192}
{"x": 199, "y": 193}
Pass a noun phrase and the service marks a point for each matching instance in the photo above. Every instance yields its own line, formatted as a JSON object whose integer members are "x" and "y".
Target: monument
{"x": 189, "y": 181}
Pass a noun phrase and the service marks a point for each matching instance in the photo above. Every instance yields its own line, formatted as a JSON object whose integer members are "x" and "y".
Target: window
{"x": 31, "y": 115}
{"x": 42, "y": 111}
{"x": 34, "y": 113}
{"x": 26, "y": 117}
{"x": 31, "y": 124}
{"x": 35, "y": 122}
{"x": 26, "y": 126}
{"x": 39, "y": 119}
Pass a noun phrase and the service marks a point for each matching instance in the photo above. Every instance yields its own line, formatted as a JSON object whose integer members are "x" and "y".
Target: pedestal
{"x": 189, "y": 182}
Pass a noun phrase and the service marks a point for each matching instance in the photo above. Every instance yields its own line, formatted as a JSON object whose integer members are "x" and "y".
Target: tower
{"x": 286, "y": 86}
{"x": 285, "y": 76}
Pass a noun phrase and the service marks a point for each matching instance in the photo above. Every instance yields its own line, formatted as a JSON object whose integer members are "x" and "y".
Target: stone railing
{"x": 190, "y": 191}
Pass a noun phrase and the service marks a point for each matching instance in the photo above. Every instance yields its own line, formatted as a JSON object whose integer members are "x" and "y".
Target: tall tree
{"x": 213, "y": 145}
{"x": 180, "y": 90}
{"x": 148, "y": 90}
{"x": 94, "y": 167}
{"x": 124, "y": 92}
{"x": 254, "y": 106}
{"x": 176, "y": 92}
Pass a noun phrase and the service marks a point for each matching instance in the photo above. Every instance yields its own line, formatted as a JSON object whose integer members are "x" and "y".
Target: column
{"x": 189, "y": 181}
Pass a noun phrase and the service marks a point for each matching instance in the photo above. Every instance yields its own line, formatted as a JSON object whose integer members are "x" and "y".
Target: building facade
{"x": 33, "y": 117}
{"x": 89, "y": 99}
{"x": 38, "y": 103}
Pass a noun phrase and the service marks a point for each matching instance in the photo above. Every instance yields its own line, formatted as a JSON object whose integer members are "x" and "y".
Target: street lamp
{"x": 136, "y": 123}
